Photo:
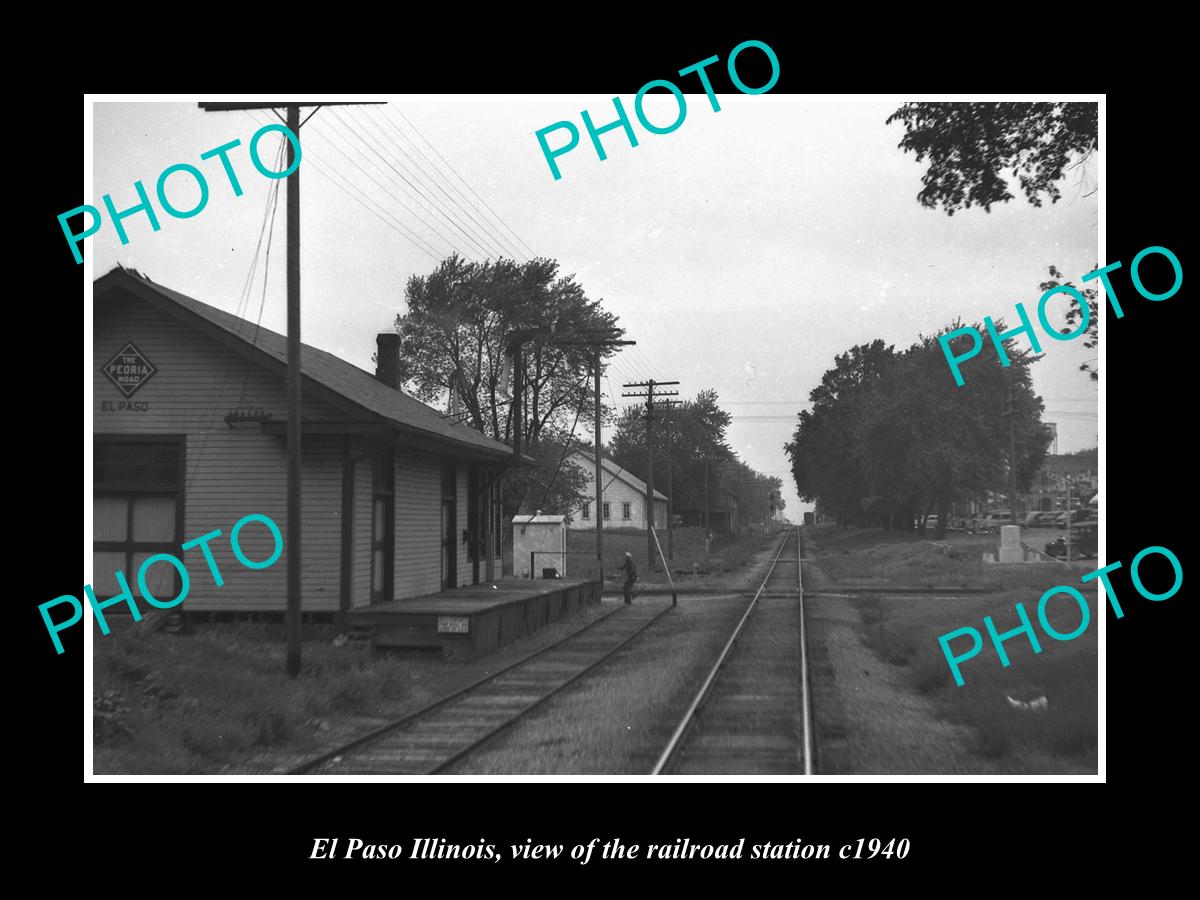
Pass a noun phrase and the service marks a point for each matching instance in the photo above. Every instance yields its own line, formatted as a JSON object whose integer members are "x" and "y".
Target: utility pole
{"x": 707, "y": 529}
{"x": 1006, "y": 411}
{"x": 670, "y": 404}
{"x": 649, "y": 418}
{"x": 293, "y": 123}
{"x": 1068, "y": 518}
{"x": 599, "y": 340}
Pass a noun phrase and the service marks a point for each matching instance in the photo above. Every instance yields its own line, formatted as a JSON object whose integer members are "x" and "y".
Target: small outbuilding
{"x": 540, "y": 546}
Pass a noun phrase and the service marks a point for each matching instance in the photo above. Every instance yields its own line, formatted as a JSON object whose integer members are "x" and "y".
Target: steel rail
{"x": 358, "y": 743}
{"x": 471, "y": 748}
{"x": 676, "y": 741}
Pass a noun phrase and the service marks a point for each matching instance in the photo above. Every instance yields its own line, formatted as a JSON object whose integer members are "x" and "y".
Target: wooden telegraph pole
{"x": 293, "y": 123}
{"x": 669, "y": 405}
{"x": 599, "y": 341}
{"x": 649, "y": 417}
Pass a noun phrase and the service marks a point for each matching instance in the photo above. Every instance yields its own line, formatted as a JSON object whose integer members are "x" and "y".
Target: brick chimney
{"x": 387, "y": 365}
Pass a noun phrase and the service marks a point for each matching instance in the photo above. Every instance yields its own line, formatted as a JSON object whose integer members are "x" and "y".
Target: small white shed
{"x": 540, "y": 546}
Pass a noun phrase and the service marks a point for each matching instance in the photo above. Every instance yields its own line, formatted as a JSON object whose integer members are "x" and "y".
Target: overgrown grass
{"x": 177, "y": 704}
{"x": 871, "y": 557}
{"x": 904, "y": 631}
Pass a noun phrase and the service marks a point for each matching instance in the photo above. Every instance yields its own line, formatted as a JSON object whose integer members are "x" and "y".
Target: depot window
{"x": 137, "y": 511}
{"x": 626, "y": 511}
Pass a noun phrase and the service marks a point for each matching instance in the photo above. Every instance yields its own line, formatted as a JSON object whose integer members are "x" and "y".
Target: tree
{"x": 552, "y": 484}
{"x": 970, "y": 145}
{"x": 452, "y": 341}
{"x": 890, "y": 438}
{"x": 1091, "y": 334}
{"x": 452, "y": 353}
{"x": 957, "y": 442}
{"x": 697, "y": 438}
{"x": 824, "y": 462}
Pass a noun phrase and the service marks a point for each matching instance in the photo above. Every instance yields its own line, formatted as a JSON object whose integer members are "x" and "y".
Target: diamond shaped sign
{"x": 129, "y": 370}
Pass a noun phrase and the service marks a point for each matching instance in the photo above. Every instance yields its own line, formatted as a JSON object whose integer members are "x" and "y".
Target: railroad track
{"x": 437, "y": 736}
{"x": 752, "y": 714}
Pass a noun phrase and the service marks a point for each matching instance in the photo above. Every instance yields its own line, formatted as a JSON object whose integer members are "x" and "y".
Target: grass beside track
{"x": 218, "y": 701}
{"x": 903, "y": 631}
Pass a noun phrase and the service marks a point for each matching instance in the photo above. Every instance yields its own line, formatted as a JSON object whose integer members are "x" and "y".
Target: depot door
{"x": 383, "y": 533}
{"x": 449, "y": 527}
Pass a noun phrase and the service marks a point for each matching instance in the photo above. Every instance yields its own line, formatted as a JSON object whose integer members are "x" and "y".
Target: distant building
{"x": 624, "y": 497}
{"x": 722, "y": 512}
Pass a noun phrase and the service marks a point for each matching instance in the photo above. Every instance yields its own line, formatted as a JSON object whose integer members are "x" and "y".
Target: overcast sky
{"x": 742, "y": 251}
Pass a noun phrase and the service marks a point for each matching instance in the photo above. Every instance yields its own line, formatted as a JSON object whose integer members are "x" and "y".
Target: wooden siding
{"x": 232, "y": 472}
{"x": 362, "y": 524}
{"x": 418, "y": 525}
{"x": 616, "y": 492}
{"x": 229, "y": 472}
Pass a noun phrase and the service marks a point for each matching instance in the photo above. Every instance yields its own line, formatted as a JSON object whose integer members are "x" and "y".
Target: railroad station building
{"x": 623, "y": 503}
{"x": 189, "y": 414}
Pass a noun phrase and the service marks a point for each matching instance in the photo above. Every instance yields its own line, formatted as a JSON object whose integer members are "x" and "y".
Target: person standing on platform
{"x": 629, "y": 569}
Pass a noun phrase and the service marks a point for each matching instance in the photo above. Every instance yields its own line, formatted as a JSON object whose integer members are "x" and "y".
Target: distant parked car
{"x": 990, "y": 522}
{"x": 1077, "y": 515}
{"x": 1083, "y": 542}
{"x": 1040, "y": 519}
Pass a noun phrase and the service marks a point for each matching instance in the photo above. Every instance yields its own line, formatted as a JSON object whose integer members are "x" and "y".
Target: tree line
{"x": 889, "y": 439}
{"x": 701, "y": 459}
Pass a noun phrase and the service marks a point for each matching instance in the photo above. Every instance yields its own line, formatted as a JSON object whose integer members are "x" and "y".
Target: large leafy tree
{"x": 452, "y": 355}
{"x": 970, "y": 147}
{"x": 958, "y": 442}
{"x": 890, "y": 438}
{"x": 453, "y": 338}
{"x": 825, "y": 465}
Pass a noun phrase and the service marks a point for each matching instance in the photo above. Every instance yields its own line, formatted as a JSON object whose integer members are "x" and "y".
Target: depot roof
{"x": 346, "y": 382}
{"x": 618, "y": 473}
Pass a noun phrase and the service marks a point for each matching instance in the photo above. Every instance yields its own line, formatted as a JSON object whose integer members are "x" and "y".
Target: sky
{"x": 741, "y": 251}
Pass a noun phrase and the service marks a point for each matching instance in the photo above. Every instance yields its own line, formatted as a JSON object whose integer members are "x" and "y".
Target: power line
{"x": 463, "y": 180}
{"x": 229, "y": 374}
{"x": 378, "y": 211}
{"x": 647, "y": 363}
{"x": 414, "y": 213}
{"x": 387, "y": 191}
{"x": 421, "y": 196}
{"x": 399, "y": 227}
{"x": 381, "y": 121}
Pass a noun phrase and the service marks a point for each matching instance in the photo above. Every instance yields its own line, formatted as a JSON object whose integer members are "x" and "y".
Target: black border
{"x": 984, "y": 832}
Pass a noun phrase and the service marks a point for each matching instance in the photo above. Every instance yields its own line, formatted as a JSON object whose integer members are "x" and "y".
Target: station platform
{"x": 470, "y": 621}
